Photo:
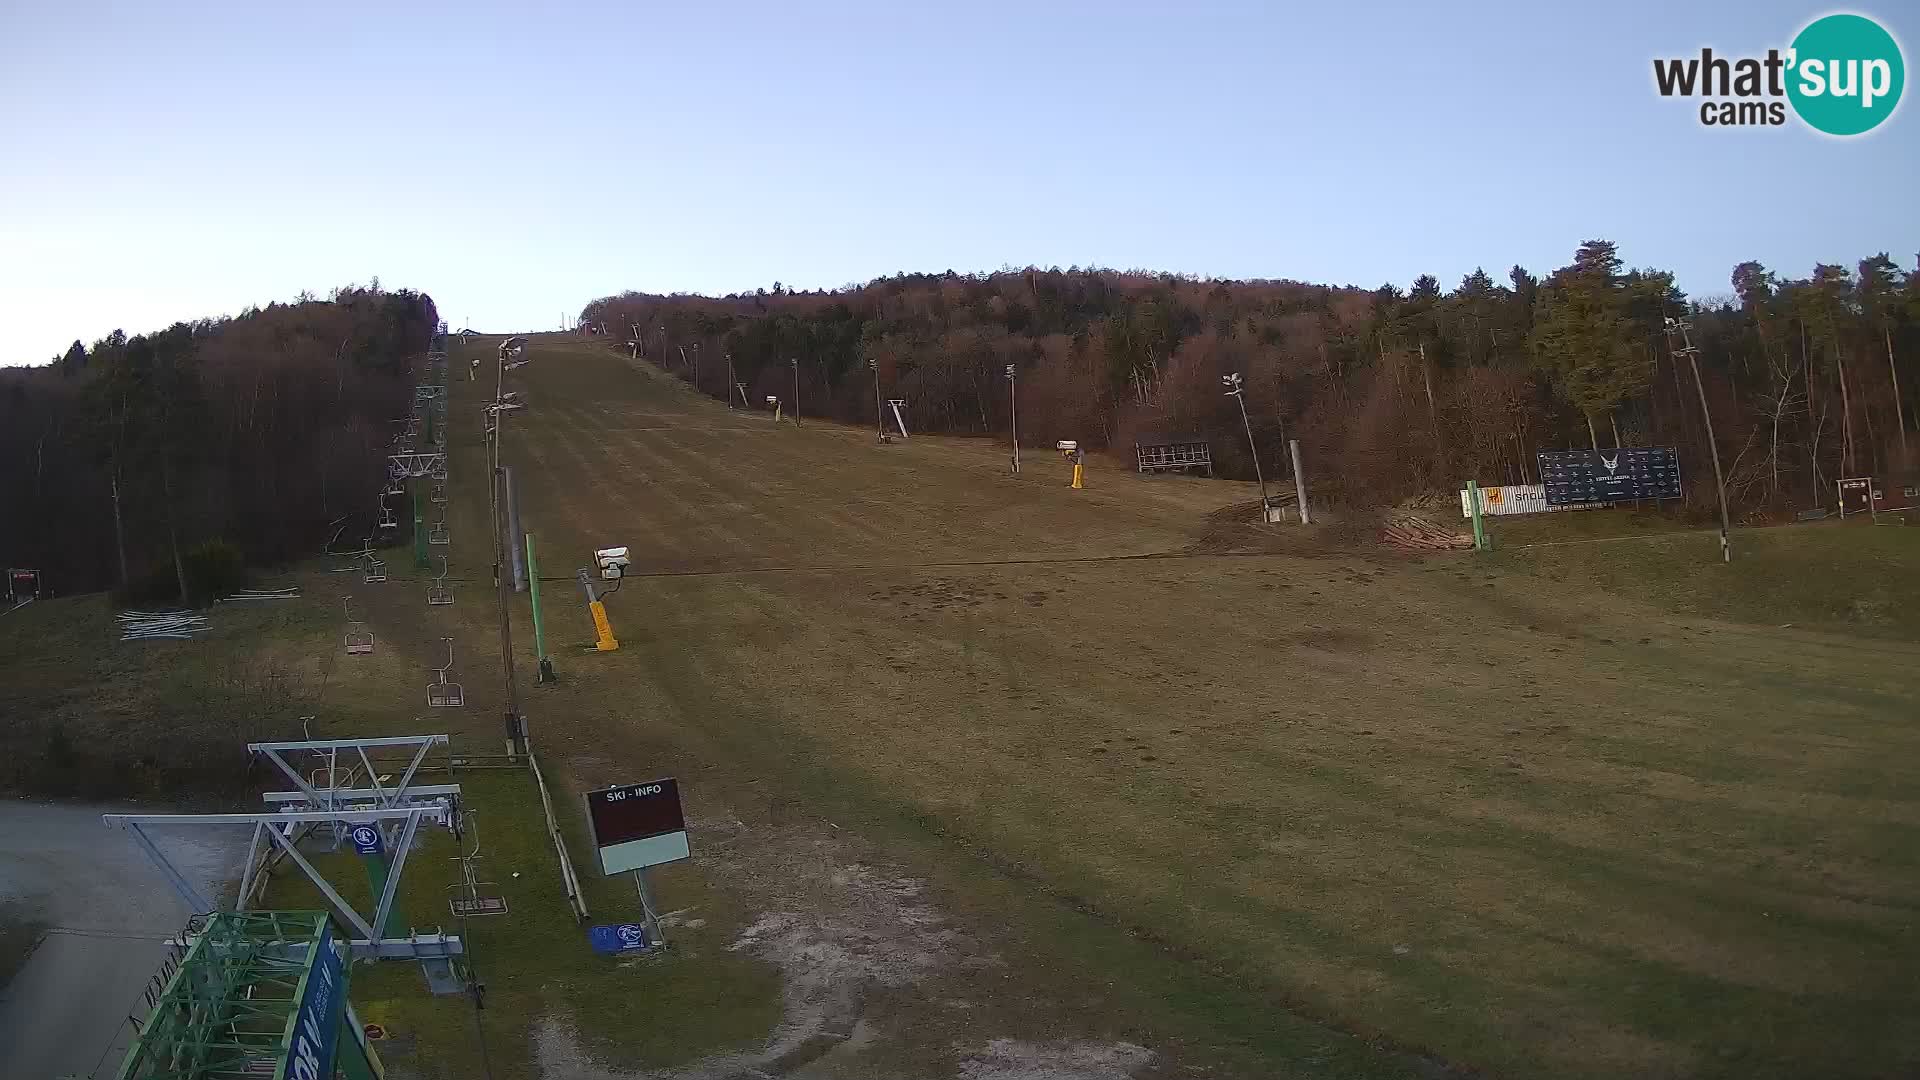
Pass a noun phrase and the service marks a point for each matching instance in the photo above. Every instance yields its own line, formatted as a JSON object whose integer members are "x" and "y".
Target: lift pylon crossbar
{"x": 389, "y": 797}
{"x": 348, "y": 797}
{"x": 278, "y": 827}
{"x": 419, "y": 464}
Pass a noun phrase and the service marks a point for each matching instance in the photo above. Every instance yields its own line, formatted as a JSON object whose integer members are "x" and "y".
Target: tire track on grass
{"x": 782, "y": 504}
{"x": 643, "y": 529}
{"x": 682, "y": 497}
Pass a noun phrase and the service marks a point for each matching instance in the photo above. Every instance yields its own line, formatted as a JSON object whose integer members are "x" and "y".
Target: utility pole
{"x": 1687, "y": 349}
{"x": 1013, "y": 411}
{"x": 730, "y": 383}
{"x": 696, "y": 365}
{"x": 796, "y": 390}
{"x": 1299, "y": 481}
{"x": 879, "y": 418}
{"x": 516, "y": 731}
{"x": 1238, "y": 393}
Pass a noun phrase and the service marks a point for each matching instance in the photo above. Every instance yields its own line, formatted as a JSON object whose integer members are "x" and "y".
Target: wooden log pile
{"x": 1409, "y": 532}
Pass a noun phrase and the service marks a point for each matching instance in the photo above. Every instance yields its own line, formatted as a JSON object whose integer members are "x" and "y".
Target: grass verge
{"x": 693, "y": 999}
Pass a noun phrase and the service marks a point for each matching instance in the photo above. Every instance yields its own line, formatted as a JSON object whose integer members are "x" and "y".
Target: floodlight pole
{"x": 730, "y": 383}
{"x": 1688, "y": 350}
{"x": 1013, "y": 411}
{"x": 696, "y": 365}
{"x": 796, "y": 389}
{"x": 879, "y": 414}
{"x": 1236, "y": 392}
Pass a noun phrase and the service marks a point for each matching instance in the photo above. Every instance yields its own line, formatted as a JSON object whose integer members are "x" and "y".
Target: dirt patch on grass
{"x": 1331, "y": 638}
{"x": 1235, "y": 529}
{"x": 1010, "y": 1059}
{"x": 836, "y": 925}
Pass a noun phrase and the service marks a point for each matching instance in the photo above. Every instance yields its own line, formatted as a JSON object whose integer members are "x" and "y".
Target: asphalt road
{"x": 109, "y": 914}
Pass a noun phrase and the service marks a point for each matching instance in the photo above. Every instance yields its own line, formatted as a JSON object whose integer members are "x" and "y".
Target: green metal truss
{"x": 228, "y": 1009}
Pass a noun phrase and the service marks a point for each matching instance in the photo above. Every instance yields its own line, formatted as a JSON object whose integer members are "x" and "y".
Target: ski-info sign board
{"x": 638, "y": 825}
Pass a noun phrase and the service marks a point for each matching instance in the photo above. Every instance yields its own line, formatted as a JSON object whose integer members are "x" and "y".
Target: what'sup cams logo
{"x": 1842, "y": 75}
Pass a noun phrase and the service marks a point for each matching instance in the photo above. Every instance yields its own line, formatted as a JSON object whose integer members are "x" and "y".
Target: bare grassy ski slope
{"x": 1538, "y": 832}
{"x": 993, "y": 779}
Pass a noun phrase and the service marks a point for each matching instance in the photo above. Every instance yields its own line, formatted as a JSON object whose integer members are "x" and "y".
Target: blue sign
{"x": 366, "y": 840}
{"x": 317, "y": 1022}
{"x": 626, "y": 937}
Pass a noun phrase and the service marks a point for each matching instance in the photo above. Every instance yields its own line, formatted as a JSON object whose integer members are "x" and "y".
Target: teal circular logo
{"x": 1846, "y": 74}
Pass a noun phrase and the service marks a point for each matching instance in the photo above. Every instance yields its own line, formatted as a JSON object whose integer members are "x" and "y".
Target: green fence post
{"x": 546, "y": 674}
{"x": 1473, "y": 506}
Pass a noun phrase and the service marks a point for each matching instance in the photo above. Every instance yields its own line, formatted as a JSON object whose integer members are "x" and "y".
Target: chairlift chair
{"x": 442, "y": 694}
{"x": 359, "y": 642}
{"x": 387, "y": 520}
{"x": 376, "y": 571}
{"x": 439, "y": 470}
{"x": 439, "y": 494}
{"x": 438, "y": 594}
{"x": 437, "y": 533}
{"x": 467, "y": 896}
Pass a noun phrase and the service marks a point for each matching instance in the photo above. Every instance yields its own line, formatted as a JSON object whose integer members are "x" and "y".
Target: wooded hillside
{"x": 255, "y": 431}
{"x": 1391, "y": 392}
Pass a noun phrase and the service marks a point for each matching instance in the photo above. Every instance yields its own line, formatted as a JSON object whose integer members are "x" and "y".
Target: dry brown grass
{"x": 1545, "y": 834}
{"x": 1542, "y": 831}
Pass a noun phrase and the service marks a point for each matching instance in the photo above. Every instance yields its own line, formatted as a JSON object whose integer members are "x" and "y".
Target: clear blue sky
{"x": 166, "y": 161}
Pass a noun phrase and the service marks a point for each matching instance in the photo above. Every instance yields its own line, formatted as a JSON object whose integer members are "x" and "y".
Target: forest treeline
{"x": 1392, "y": 392}
{"x": 241, "y": 439}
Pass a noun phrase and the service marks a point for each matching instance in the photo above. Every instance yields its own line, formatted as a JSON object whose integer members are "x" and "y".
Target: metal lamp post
{"x": 1238, "y": 393}
{"x": 1013, "y": 411}
{"x": 1684, "y": 327}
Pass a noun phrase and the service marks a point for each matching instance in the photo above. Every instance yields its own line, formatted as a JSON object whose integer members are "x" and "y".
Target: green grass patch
{"x": 83, "y": 713}
{"x": 1860, "y": 579}
{"x": 694, "y": 999}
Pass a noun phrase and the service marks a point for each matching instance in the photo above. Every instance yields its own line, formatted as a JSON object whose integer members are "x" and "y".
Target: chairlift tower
{"x": 347, "y": 797}
{"x": 426, "y": 463}
{"x": 256, "y": 994}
